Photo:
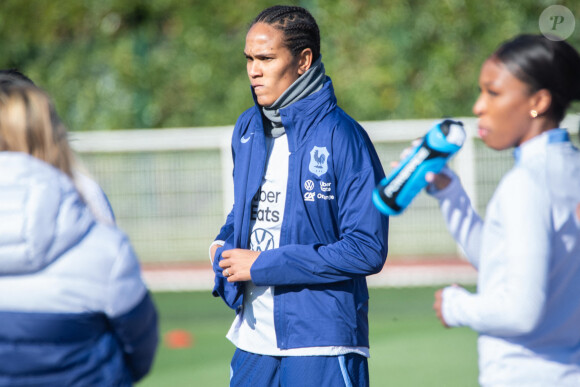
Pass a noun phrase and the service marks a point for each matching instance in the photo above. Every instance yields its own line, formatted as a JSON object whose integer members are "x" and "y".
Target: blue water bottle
{"x": 396, "y": 191}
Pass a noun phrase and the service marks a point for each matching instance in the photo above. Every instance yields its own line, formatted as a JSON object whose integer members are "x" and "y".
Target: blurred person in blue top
{"x": 527, "y": 250}
{"x": 90, "y": 191}
{"x": 74, "y": 310}
{"x": 303, "y": 234}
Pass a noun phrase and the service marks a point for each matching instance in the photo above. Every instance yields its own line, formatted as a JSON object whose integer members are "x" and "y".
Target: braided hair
{"x": 298, "y": 25}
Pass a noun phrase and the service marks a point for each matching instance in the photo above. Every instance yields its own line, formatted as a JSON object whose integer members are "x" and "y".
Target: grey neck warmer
{"x": 308, "y": 83}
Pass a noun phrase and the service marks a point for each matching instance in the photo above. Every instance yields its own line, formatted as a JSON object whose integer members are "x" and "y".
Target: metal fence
{"x": 171, "y": 188}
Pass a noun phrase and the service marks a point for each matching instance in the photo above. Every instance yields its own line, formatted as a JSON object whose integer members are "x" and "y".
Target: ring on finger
{"x": 226, "y": 272}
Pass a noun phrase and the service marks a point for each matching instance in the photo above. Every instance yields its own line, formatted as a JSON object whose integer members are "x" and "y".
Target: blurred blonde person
{"x": 50, "y": 144}
{"x": 74, "y": 309}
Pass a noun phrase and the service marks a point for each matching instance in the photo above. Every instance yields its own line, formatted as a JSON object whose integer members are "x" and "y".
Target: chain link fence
{"x": 171, "y": 188}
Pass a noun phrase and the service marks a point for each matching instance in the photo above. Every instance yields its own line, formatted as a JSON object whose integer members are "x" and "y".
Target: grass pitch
{"x": 409, "y": 347}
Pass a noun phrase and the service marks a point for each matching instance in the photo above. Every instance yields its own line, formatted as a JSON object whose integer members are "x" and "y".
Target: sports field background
{"x": 409, "y": 347}
{"x": 165, "y": 64}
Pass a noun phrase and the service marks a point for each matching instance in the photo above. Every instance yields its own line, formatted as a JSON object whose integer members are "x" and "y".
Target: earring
{"x": 533, "y": 113}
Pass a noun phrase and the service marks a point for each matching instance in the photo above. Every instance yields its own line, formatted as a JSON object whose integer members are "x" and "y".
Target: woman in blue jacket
{"x": 303, "y": 234}
{"x": 74, "y": 310}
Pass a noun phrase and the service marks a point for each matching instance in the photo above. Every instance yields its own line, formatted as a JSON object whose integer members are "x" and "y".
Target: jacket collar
{"x": 300, "y": 116}
{"x": 537, "y": 144}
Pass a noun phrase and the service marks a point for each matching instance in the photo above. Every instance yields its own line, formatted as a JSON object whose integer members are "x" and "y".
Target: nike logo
{"x": 246, "y": 139}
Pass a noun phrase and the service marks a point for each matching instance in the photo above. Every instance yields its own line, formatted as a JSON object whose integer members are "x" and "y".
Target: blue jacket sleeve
{"x": 230, "y": 292}
{"x": 227, "y": 229}
{"x": 137, "y": 333}
{"x": 360, "y": 251}
{"x": 132, "y": 313}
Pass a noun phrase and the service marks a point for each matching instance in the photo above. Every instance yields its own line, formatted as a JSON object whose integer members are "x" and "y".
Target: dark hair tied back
{"x": 298, "y": 25}
{"x": 10, "y": 76}
{"x": 544, "y": 64}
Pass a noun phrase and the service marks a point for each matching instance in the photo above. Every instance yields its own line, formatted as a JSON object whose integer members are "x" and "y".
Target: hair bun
{"x": 544, "y": 64}
{"x": 571, "y": 67}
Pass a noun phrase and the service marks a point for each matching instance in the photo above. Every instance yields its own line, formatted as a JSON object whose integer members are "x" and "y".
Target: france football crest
{"x": 318, "y": 160}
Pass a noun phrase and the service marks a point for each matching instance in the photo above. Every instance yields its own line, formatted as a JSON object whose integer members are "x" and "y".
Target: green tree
{"x": 179, "y": 63}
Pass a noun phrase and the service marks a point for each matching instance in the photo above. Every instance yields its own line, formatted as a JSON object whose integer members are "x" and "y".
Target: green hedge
{"x": 173, "y": 63}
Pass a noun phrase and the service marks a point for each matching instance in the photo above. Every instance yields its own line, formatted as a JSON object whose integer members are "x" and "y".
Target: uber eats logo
{"x": 264, "y": 204}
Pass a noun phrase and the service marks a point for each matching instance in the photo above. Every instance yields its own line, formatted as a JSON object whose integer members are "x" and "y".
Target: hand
{"x": 438, "y": 180}
{"x": 407, "y": 151}
{"x": 236, "y": 264}
{"x": 438, "y": 306}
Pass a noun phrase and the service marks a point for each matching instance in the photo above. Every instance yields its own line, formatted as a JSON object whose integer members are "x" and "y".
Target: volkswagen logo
{"x": 261, "y": 240}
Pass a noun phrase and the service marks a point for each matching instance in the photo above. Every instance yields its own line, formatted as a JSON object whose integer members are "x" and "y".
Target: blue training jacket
{"x": 74, "y": 310}
{"x": 331, "y": 236}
